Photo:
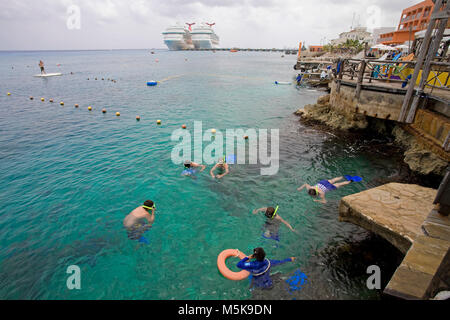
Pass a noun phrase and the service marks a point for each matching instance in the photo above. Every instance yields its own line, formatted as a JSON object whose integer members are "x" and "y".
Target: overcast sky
{"x": 123, "y": 24}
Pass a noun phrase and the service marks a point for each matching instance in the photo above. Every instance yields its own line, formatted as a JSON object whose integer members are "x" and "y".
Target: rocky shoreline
{"x": 419, "y": 159}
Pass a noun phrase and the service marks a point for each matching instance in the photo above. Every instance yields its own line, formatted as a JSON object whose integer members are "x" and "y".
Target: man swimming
{"x": 41, "y": 65}
{"x": 189, "y": 168}
{"x": 272, "y": 223}
{"x": 321, "y": 188}
{"x": 260, "y": 268}
{"x": 222, "y": 166}
{"x": 135, "y": 224}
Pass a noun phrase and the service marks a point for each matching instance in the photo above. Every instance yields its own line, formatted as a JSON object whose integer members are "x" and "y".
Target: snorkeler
{"x": 272, "y": 223}
{"x": 321, "y": 188}
{"x": 41, "y": 65}
{"x": 135, "y": 224}
{"x": 222, "y": 166}
{"x": 260, "y": 268}
{"x": 189, "y": 168}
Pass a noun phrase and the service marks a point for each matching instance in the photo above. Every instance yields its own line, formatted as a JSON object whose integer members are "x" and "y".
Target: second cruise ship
{"x": 203, "y": 37}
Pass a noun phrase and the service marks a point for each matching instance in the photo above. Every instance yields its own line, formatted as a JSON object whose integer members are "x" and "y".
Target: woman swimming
{"x": 321, "y": 188}
{"x": 260, "y": 268}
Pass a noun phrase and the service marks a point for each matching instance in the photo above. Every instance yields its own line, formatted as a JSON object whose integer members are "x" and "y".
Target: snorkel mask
{"x": 150, "y": 208}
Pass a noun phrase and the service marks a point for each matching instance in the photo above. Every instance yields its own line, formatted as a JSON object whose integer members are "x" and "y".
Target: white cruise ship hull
{"x": 177, "y": 45}
{"x": 205, "y": 44}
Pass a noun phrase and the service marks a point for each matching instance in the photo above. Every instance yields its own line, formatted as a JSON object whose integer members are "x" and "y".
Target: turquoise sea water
{"x": 68, "y": 176}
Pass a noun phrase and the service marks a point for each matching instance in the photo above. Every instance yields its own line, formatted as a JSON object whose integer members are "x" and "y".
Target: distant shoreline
{"x": 73, "y": 50}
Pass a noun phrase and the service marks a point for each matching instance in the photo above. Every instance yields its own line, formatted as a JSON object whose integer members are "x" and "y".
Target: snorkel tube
{"x": 275, "y": 213}
{"x": 150, "y": 208}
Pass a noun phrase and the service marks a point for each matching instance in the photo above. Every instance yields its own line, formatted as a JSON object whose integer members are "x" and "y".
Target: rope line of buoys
{"x": 90, "y": 108}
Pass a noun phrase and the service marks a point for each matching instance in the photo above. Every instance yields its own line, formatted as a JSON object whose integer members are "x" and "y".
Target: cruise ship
{"x": 203, "y": 36}
{"x": 178, "y": 38}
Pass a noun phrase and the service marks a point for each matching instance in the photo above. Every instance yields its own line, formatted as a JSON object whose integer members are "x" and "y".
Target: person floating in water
{"x": 321, "y": 188}
{"x": 41, "y": 65}
{"x": 189, "y": 168}
{"x": 135, "y": 221}
{"x": 222, "y": 166}
{"x": 260, "y": 268}
{"x": 272, "y": 224}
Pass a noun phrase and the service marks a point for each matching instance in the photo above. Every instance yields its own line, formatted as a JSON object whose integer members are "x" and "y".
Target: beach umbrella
{"x": 382, "y": 47}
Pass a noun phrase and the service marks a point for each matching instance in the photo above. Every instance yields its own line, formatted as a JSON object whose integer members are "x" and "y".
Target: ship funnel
{"x": 190, "y": 25}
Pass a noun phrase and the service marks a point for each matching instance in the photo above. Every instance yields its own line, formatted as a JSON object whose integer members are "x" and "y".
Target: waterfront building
{"x": 412, "y": 20}
{"x": 359, "y": 33}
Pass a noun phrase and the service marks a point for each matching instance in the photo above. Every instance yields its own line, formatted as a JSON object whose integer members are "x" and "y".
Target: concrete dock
{"x": 404, "y": 215}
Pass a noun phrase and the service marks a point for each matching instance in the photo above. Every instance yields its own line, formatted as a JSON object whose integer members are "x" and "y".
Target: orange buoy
{"x": 138, "y": 118}
{"x": 76, "y": 105}
{"x": 51, "y": 100}
{"x": 227, "y": 273}
{"x": 89, "y": 108}
{"x": 183, "y": 126}
{"x": 104, "y": 110}
{"x": 118, "y": 114}
{"x": 246, "y": 137}
{"x": 31, "y": 98}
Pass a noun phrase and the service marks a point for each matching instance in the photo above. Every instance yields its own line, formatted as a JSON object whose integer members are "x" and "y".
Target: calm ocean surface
{"x": 69, "y": 176}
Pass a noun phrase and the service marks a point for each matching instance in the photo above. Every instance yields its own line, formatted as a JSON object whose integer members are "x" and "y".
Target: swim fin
{"x": 143, "y": 239}
{"x": 353, "y": 178}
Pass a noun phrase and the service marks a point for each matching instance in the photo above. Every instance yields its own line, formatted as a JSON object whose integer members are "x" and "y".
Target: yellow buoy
{"x": 158, "y": 121}
{"x": 213, "y": 131}
{"x": 42, "y": 99}
{"x": 104, "y": 110}
{"x": 89, "y": 108}
{"x": 9, "y": 93}
{"x": 118, "y": 114}
{"x": 61, "y": 103}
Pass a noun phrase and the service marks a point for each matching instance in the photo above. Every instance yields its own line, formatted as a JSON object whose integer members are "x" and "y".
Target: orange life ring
{"x": 227, "y": 273}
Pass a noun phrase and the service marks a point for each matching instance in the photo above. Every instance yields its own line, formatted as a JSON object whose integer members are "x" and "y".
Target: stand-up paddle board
{"x": 47, "y": 75}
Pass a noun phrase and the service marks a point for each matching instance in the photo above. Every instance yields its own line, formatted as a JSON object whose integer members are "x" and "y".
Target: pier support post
{"x": 420, "y": 60}
{"x": 362, "y": 69}
{"x": 340, "y": 75}
{"x": 434, "y": 47}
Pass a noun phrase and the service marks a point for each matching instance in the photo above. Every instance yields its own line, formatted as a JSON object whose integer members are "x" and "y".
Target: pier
{"x": 413, "y": 93}
{"x": 405, "y": 216}
{"x": 286, "y": 51}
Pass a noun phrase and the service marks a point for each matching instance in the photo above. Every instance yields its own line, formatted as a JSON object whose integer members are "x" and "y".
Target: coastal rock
{"x": 394, "y": 211}
{"x": 418, "y": 158}
{"x": 324, "y": 113}
{"x": 324, "y": 100}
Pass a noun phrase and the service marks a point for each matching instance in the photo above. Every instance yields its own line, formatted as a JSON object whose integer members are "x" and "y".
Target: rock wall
{"x": 418, "y": 158}
{"x": 323, "y": 112}
{"x": 381, "y": 105}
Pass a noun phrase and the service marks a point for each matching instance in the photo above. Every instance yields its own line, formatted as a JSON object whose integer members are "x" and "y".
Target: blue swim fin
{"x": 143, "y": 239}
{"x": 231, "y": 159}
{"x": 353, "y": 178}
